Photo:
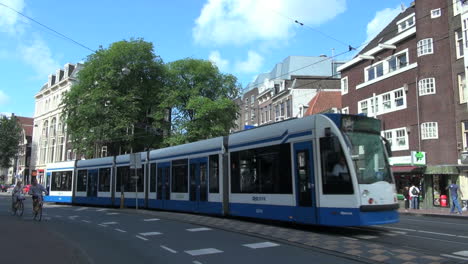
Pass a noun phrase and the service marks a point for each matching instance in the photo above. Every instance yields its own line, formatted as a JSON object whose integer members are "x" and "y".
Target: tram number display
{"x": 258, "y": 198}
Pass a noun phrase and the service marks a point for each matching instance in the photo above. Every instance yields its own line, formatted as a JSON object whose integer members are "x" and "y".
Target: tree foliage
{"x": 115, "y": 99}
{"x": 10, "y": 134}
{"x": 201, "y": 100}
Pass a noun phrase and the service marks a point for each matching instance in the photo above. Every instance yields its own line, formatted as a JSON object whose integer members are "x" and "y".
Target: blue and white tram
{"x": 94, "y": 181}
{"x": 59, "y": 181}
{"x": 326, "y": 169}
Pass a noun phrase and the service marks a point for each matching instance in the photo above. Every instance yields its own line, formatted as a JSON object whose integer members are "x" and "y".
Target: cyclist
{"x": 36, "y": 192}
{"x": 16, "y": 194}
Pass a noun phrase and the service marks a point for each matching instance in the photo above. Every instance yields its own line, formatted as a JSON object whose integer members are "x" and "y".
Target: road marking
{"x": 120, "y": 230}
{"x": 261, "y": 245}
{"x": 168, "y": 249}
{"x": 198, "y": 229}
{"x": 151, "y": 219}
{"x": 463, "y": 236}
{"x": 397, "y": 228}
{"x": 455, "y": 257}
{"x": 435, "y": 233}
{"x": 204, "y": 251}
{"x": 73, "y": 217}
{"x": 102, "y": 225}
{"x": 86, "y": 221}
{"x": 151, "y": 234}
{"x": 100, "y": 210}
{"x": 463, "y": 253}
{"x": 350, "y": 238}
{"x": 81, "y": 209}
{"x": 197, "y": 262}
{"x": 109, "y": 223}
{"x": 59, "y": 216}
{"x": 112, "y": 213}
{"x": 365, "y": 237}
{"x": 142, "y": 238}
{"x": 443, "y": 240}
{"x": 399, "y": 232}
{"x": 427, "y": 221}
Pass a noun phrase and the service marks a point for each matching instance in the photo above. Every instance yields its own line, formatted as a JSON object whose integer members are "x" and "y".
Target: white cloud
{"x": 39, "y": 56}
{"x": 251, "y": 65}
{"x": 243, "y": 21}
{"x": 222, "y": 64}
{"x": 3, "y": 97}
{"x": 9, "y": 18}
{"x": 381, "y": 20}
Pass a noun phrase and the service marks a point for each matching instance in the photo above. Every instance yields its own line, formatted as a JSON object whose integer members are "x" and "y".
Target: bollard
{"x": 122, "y": 198}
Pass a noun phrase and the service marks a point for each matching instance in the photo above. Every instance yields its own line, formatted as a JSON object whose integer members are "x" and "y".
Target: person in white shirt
{"x": 17, "y": 193}
{"x": 414, "y": 197}
{"x": 36, "y": 191}
{"x": 340, "y": 168}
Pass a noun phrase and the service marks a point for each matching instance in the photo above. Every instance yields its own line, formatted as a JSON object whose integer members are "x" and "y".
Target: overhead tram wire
{"x": 350, "y": 49}
{"x": 55, "y": 31}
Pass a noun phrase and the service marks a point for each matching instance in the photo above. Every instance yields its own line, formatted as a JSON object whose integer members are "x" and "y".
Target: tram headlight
{"x": 365, "y": 193}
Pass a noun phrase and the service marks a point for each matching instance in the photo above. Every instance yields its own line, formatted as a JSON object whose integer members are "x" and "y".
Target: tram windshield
{"x": 368, "y": 155}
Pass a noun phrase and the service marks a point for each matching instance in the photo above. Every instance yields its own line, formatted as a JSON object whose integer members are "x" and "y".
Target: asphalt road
{"x": 98, "y": 235}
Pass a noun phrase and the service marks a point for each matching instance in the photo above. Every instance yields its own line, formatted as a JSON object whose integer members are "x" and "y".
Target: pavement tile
{"x": 353, "y": 252}
{"x": 401, "y": 250}
{"x": 380, "y": 258}
{"x": 406, "y": 257}
{"x": 432, "y": 258}
{"x": 378, "y": 251}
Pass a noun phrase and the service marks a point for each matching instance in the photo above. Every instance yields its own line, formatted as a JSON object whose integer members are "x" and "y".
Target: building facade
{"x": 411, "y": 76}
{"x": 50, "y": 138}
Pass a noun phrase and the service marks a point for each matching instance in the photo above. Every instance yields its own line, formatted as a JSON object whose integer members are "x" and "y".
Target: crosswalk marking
{"x": 109, "y": 223}
{"x": 103, "y": 209}
{"x": 120, "y": 230}
{"x": 112, "y": 213}
{"x": 81, "y": 209}
{"x": 151, "y": 234}
{"x": 365, "y": 237}
{"x": 151, "y": 219}
{"x": 168, "y": 249}
{"x": 261, "y": 245}
{"x": 463, "y": 253}
{"x": 204, "y": 251}
{"x": 142, "y": 238}
{"x": 86, "y": 221}
{"x": 198, "y": 229}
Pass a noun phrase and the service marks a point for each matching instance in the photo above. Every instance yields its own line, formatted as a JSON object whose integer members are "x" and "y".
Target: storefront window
{"x": 439, "y": 184}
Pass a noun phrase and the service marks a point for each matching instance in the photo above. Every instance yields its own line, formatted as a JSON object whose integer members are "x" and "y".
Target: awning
{"x": 449, "y": 170}
{"x": 408, "y": 169}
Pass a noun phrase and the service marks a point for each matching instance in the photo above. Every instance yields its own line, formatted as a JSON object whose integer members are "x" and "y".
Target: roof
{"x": 27, "y": 123}
{"x": 389, "y": 32}
{"x": 323, "y": 101}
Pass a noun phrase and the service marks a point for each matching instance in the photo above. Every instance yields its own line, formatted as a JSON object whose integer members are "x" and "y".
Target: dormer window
{"x": 406, "y": 23}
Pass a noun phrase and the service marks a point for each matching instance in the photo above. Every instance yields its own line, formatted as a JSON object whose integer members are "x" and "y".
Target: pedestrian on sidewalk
{"x": 407, "y": 197}
{"x": 454, "y": 189}
{"x": 414, "y": 196}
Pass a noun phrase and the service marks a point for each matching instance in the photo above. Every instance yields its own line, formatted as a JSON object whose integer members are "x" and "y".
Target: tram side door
{"x": 163, "y": 192}
{"x": 198, "y": 182}
{"x": 305, "y": 183}
{"x": 92, "y": 183}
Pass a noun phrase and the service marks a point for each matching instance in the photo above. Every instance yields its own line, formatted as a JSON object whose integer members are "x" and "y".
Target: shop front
{"x": 437, "y": 179}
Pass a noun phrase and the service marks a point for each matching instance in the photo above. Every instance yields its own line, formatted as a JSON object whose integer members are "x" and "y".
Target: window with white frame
{"x": 398, "y": 61}
{"x": 465, "y": 32}
{"x": 344, "y": 85}
{"x": 462, "y": 87}
{"x": 374, "y": 102}
{"x": 398, "y": 138}
{"x": 386, "y": 101}
{"x": 464, "y": 128}
{"x": 457, "y": 7}
{"x": 399, "y": 98}
{"x": 436, "y": 13}
{"x": 425, "y": 47}
{"x": 345, "y": 111}
{"x": 429, "y": 130}
{"x": 427, "y": 86}
{"x": 406, "y": 23}
{"x": 252, "y": 100}
{"x": 459, "y": 43}
{"x": 363, "y": 107}
{"x": 375, "y": 71}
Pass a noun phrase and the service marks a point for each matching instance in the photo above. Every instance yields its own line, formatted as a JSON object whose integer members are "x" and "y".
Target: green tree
{"x": 201, "y": 100}
{"x": 115, "y": 99}
{"x": 10, "y": 134}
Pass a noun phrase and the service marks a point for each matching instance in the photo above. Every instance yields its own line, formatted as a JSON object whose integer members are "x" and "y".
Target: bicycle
{"x": 37, "y": 209}
{"x": 18, "y": 207}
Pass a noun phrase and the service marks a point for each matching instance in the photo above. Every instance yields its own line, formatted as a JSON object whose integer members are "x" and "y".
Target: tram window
{"x": 104, "y": 179}
{"x": 82, "y": 181}
{"x": 336, "y": 178}
{"x": 180, "y": 176}
{"x": 125, "y": 182}
{"x": 262, "y": 170}
{"x": 61, "y": 181}
{"x": 153, "y": 177}
{"x": 214, "y": 174}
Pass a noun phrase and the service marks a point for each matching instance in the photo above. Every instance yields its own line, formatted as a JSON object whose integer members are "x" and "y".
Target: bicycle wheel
{"x": 20, "y": 209}
{"x": 13, "y": 209}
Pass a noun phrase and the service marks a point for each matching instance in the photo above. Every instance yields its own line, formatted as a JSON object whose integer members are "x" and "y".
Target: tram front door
{"x": 163, "y": 192}
{"x": 306, "y": 210}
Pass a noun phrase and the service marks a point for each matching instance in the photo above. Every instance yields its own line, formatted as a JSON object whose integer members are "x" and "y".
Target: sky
{"x": 242, "y": 37}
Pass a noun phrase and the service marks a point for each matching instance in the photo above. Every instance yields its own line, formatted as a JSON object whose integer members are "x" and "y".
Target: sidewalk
{"x": 439, "y": 212}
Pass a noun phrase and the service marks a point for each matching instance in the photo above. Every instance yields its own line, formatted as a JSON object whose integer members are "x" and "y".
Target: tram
{"x": 325, "y": 169}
